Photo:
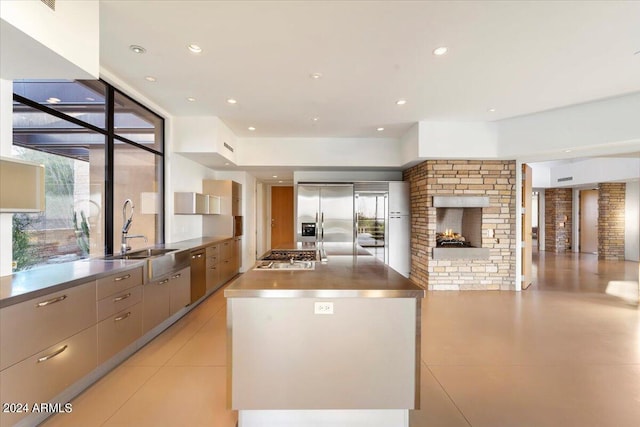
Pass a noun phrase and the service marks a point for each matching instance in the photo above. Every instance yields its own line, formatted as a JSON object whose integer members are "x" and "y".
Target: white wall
{"x": 595, "y": 170}
{"x": 589, "y": 129}
{"x": 632, "y": 222}
{"x": 346, "y": 176}
{"x": 38, "y": 42}
{"x": 314, "y": 152}
{"x": 457, "y": 140}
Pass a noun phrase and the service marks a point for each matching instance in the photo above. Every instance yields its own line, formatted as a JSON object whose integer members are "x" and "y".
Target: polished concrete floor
{"x": 561, "y": 353}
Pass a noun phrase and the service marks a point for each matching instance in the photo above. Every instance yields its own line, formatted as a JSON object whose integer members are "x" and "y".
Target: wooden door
{"x": 527, "y": 204}
{"x": 281, "y": 216}
{"x": 589, "y": 221}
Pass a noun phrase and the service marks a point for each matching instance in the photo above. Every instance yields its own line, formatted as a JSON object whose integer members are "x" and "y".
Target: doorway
{"x": 281, "y": 216}
{"x": 588, "y": 228}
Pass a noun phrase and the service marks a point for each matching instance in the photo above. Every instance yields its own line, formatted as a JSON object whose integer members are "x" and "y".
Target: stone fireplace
{"x": 446, "y": 193}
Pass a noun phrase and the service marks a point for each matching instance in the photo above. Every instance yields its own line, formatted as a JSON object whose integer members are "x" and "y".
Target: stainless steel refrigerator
{"x": 325, "y": 213}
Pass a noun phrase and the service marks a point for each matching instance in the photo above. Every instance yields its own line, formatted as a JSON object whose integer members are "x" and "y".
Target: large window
{"x": 92, "y": 166}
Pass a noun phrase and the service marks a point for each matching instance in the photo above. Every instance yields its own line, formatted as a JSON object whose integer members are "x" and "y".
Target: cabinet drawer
{"x": 212, "y": 251}
{"x": 31, "y": 326}
{"x": 118, "y": 331}
{"x": 212, "y": 260}
{"x": 46, "y": 374}
{"x": 118, "y": 302}
{"x": 119, "y": 282}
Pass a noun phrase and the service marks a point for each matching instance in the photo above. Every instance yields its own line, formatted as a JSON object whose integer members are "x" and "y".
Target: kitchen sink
{"x": 159, "y": 261}
{"x": 287, "y": 265}
{"x": 146, "y": 253}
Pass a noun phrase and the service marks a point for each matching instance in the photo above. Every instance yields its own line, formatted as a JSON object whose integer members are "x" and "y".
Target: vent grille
{"x": 50, "y": 3}
{"x": 566, "y": 178}
{"x": 228, "y": 147}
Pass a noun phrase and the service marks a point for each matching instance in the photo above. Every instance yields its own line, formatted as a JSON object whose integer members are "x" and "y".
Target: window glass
{"x": 72, "y": 225}
{"x": 83, "y": 100}
{"x": 136, "y": 123}
{"x": 137, "y": 176}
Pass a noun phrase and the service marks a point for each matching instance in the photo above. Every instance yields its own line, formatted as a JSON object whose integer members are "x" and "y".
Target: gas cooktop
{"x": 291, "y": 254}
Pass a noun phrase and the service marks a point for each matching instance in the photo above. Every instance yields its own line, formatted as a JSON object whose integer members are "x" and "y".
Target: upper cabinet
{"x": 228, "y": 193}
{"x": 205, "y": 140}
{"x": 29, "y": 195}
{"x": 38, "y": 42}
{"x": 399, "y": 198}
{"x": 190, "y": 203}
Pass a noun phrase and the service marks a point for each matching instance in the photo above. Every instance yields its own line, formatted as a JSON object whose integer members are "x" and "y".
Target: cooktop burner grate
{"x": 286, "y": 255}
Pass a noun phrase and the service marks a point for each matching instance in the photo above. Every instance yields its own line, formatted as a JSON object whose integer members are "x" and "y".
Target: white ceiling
{"x": 516, "y": 57}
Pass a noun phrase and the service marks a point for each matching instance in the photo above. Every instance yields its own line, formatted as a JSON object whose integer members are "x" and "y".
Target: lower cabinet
{"x": 163, "y": 297}
{"x": 118, "y": 331}
{"x": 180, "y": 290}
{"x": 44, "y": 375}
{"x": 156, "y": 298}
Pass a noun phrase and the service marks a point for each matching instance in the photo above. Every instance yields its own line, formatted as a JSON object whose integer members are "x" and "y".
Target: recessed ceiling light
{"x": 315, "y": 119}
{"x": 401, "y": 101}
{"x": 53, "y": 100}
{"x": 231, "y": 101}
{"x": 195, "y": 48}
{"x": 279, "y": 182}
{"x": 137, "y": 49}
{"x": 439, "y": 51}
{"x": 380, "y": 129}
{"x": 491, "y": 110}
{"x": 227, "y": 163}
{"x": 251, "y": 128}
{"x": 275, "y": 176}
{"x": 315, "y": 76}
{"x": 567, "y": 151}
{"x": 150, "y": 78}
{"x": 191, "y": 99}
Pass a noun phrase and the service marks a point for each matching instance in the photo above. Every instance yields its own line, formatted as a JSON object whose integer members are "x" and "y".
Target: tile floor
{"x": 562, "y": 353}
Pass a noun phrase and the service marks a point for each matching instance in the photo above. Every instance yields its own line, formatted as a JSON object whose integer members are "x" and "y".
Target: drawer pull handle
{"x": 124, "y": 316}
{"x": 125, "y": 277}
{"x": 163, "y": 282}
{"x": 52, "y": 355}
{"x": 51, "y": 301}
{"x": 177, "y": 276}
{"x": 122, "y": 297}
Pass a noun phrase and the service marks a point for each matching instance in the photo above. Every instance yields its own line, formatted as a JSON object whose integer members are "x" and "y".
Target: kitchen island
{"x": 336, "y": 345}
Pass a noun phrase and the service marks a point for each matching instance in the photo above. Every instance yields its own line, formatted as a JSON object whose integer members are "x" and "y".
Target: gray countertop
{"x": 343, "y": 276}
{"x": 28, "y": 284}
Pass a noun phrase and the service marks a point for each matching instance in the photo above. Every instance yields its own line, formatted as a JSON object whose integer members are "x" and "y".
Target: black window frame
{"x": 110, "y": 137}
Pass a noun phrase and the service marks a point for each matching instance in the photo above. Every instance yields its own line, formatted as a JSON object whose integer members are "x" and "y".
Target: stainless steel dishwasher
{"x": 198, "y": 274}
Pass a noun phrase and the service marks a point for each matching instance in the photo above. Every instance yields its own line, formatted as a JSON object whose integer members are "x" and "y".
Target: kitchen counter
{"x": 343, "y": 276}
{"x": 28, "y": 284}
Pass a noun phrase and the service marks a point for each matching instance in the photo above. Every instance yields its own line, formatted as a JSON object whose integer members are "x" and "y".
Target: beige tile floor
{"x": 561, "y": 353}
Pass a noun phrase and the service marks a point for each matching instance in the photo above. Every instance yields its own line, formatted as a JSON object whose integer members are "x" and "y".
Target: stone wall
{"x": 558, "y": 219}
{"x": 492, "y": 178}
{"x": 611, "y": 211}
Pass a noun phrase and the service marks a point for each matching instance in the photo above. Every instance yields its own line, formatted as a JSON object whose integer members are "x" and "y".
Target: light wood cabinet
{"x": 156, "y": 303}
{"x": 180, "y": 290}
{"x": 212, "y": 254}
{"x": 118, "y": 331}
{"x": 44, "y": 375}
{"x": 109, "y": 285}
{"x": 31, "y": 326}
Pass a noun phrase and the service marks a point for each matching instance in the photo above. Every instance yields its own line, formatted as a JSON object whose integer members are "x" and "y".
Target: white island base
{"x": 324, "y": 418}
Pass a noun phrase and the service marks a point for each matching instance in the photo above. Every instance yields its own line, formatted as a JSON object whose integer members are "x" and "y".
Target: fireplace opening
{"x": 459, "y": 227}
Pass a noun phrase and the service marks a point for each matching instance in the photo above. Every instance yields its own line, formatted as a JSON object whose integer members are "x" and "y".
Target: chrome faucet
{"x": 126, "y": 224}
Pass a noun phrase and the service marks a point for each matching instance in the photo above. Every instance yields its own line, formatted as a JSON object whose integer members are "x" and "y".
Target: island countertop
{"x": 343, "y": 276}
